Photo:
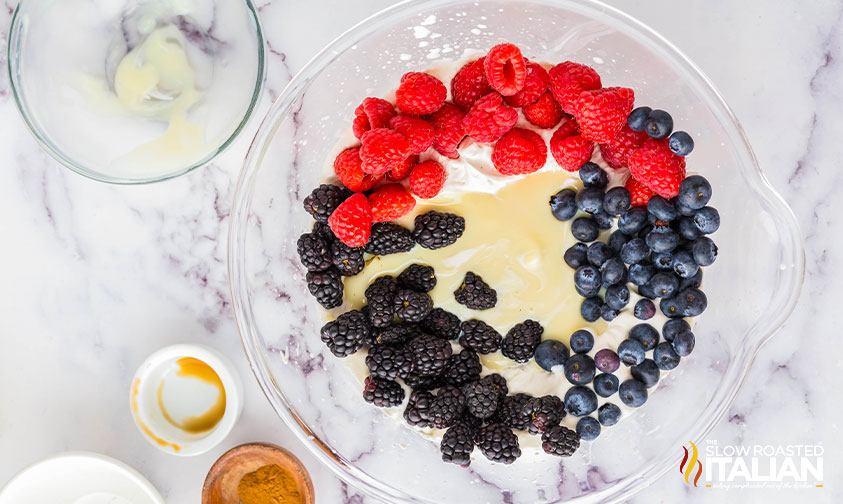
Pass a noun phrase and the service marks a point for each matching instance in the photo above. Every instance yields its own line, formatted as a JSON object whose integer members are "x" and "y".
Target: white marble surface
{"x": 96, "y": 277}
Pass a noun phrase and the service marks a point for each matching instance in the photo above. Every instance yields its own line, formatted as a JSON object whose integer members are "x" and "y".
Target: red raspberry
{"x": 534, "y": 86}
{"x": 447, "y": 130}
{"x": 351, "y": 222}
{"x": 570, "y": 152}
{"x": 639, "y": 192}
{"x": 601, "y": 113}
{"x": 520, "y": 151}
{"x": 655, "y": 166}
{"x": 545, "y": 112}
{"x": 427, "y": 179}
{"x": 469, "y": 84}
{"x": 568, "y": 80}
{"x": 390, "y": 202}
{"x": 420, "y": 93}
{"x": 417, "y": 131}
{"x": 489, "y": 119}
{"x": 616, "y": 153}
{"x": 506, "y": 69}
{"x": 372, "y": 113}
{"x": 383, "y": 149}
{"x": 403, "y": 170}
{"x": 349, "y": 168}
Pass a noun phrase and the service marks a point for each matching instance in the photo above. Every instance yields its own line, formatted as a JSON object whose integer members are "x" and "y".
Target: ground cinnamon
{"x": 271, "y": 484}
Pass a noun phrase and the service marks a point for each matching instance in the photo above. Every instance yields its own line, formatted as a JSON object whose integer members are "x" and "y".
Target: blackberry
{"x": 411, "y": 306}
{"x": 389, "y": 362}
{"x": 476, "y": 294}
{"x": 417, "y": 382}
{"x": 326, "y": 286}
{"x": 430, "y": 355}
{"x": 314, "y": 252}
{"x": 498, "y": 381}
{"x": 389, "y": 238}
{"x": 521, "y": 341}
{"x": 480, "y": 337}
{"x": 447, "y": 407}
{"x": 348, "y": 260}
{"x": 395, "y": 334}
{"x": 442, "y": 323}
{"x": 457, "y": 444}
{"x": 498, "y": 443}
{"x": 323, "y": 200}
{"x": 510, "y": 411}
{"x": 418, "y": 277}
{"x": 463, "y": 368}
{"x": 382, "y": 393}
{"x": 435, "y": 230}
{"x": 560, "y": 441}
{"x": 417, "y": 412}
{"x": 544, "y": 412}
{"x": 346, "y": 334}
{"x": 481, "y": 398}
{"x": 379, "y": 296}
{"x": 324, "y": 230}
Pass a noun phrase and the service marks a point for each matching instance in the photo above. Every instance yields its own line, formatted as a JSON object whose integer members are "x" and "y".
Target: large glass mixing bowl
{"x": 751, "y": 289}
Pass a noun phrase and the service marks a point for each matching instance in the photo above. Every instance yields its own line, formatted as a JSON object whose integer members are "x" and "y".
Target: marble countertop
{"x": 96, "y": 277}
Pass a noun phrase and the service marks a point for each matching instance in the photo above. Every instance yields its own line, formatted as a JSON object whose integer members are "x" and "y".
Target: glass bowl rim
{"x": 779, "y": 308}
{"x": 13, "y": 69}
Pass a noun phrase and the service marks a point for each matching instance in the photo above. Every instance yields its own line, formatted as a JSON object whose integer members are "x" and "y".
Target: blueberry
{"x": 593, "y": 176}
{"x": 617, "y": 297}
{"x": 683, "y": 209}
{"x": 580, "y": 401}
{"x": 665, "y": 357}
{"x": 588, "y": 428}
{"x": 672, "y": 307}
{"x": 695, "y": 302}
{"x": 563, "y": 205}
{"x": 707, "y": 220}
{"x": 587, "y": 280}
{"x": 603, "y": 220}
{"x": 590, "y": 308}
{"x": 633, "y": 220}
{"x": 684, "y": 264}
{"x": 612, "y": 271}
{"x": 609, "y": 414}
{"x": 590, "y": 200}
{"x": 673, "y": 327}
{"x": 637, "y": 119}
{"x": 681, "y": 143}
{"x": 582, "y": 341}
{"x": 633, "y": 393}
{"x": 694, "y": 192}
{"x": 662, "y": 209}
{"x": 607, "y": 360}
{"x": 647, "y": 373}
{"x": 705, "y": 251}
{"x": 644, "y": 309}
{"x": 647, "y": 291}
{"x": 631, "y": 352}
{"x": 576, "y": 256}
{"x": 598, "y": 253}
{"x": 691, "y": 283}
{"x": 580, "y": 369}
{"x": 663, "y": 261}
{"x": 645, "y": 334}
{"x": 640, "y": 274}
{"x": 662, "y": 239}
{"x": 617, "y": 201}
{"x": 608, "y": 313}
{"x": 659, "y": 124}
{"x": 664, "y": 284}
{"x": 551, "y": 353}
{"x": 617, "y": 241}
{"x": 605, "y": 384}
{"x": 585, "y": 229}
{"x": 683, "y": 343}
{"x": 634, "y": 251}
{"x": 687, "y": 229}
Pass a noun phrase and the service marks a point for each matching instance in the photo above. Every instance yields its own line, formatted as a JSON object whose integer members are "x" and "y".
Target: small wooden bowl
{"x": 221, "y": 483}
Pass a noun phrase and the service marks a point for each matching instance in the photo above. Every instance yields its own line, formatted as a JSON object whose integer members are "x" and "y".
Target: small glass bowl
{"x": 751, "y": 289}
{"x": 88, "y": 136}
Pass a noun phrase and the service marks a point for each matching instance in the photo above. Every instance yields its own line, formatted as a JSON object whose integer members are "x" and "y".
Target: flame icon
{"x": 690, "y": 464}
